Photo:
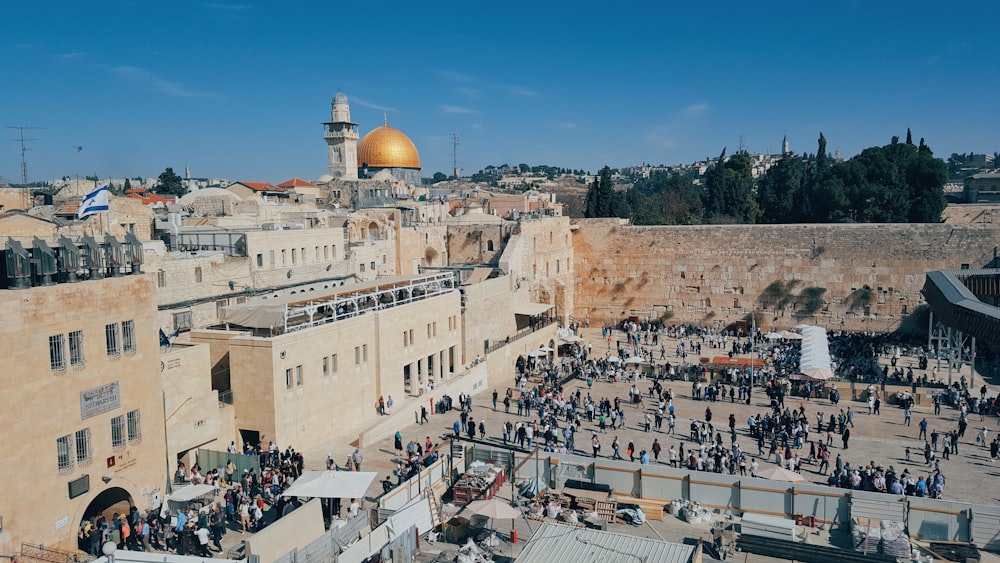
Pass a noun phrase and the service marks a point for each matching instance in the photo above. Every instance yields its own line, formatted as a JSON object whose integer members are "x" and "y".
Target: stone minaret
{"x": 342, "y": 140}
{"x": 785, "y": 149}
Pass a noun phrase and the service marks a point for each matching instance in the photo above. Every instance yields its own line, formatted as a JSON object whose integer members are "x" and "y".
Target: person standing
{"x": 846, "y": 436}
{"x": 906, "y": 415}
{"x": 595, "y": 444}
{"x": 923, "y": 429}
{"x": 656, "y": 450}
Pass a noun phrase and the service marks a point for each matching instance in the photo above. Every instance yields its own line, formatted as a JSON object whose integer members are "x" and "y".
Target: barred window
{"x": 113, "y": 339}
{"x": 118, "y": 432}
{"x": 76, "y": 357}
{"x": 134, "y": 427}
{"x": 183, "y": 321}
{"x": 57, "y": 352}
{"x": 128, "y": 336}
{"x": 83, "y": 451}
{"x": 64, "y": 452}
{"x": 161, "y": 279}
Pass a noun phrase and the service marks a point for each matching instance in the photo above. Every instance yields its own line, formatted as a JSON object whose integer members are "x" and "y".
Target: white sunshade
{"x": 191, "y": 492}
{"x": 331, "y": 484}
{"x": 635, "y": 360}
{"x": 815, "y": 360}
{"x": 613, "y": 359}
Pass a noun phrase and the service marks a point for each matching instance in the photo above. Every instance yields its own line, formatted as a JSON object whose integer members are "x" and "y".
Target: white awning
{"x": 331, "y": 484}
{"x": 531, "y": 309}
{"x": 191, "y": 492}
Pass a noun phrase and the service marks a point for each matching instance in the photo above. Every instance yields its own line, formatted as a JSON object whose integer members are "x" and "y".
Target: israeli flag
{"x": 95, "y": 202}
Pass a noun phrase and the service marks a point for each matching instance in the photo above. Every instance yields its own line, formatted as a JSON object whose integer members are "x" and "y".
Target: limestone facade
{"x": 868, "y": 276}
{"x": 83, "y": 404}
{"x": 305, "y": 387}
{"x": 540, "y": 255}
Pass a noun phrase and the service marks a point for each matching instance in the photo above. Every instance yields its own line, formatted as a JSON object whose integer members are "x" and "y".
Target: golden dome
{"x": 386, "y": 147}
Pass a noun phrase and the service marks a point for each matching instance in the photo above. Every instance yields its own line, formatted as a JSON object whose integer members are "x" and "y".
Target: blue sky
{"x": 238, "y": 90}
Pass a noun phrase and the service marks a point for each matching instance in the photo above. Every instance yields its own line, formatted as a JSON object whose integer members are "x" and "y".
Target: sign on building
{"x": 99, "y": 400}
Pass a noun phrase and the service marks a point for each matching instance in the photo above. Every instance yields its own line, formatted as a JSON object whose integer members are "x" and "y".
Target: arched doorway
{"x": 520, "y": 364}
{"x": 109, "y": 501}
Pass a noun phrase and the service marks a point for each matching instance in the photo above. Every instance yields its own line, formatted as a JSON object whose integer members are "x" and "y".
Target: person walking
{"x": 656, "y": 450}
{"x": 923, "y": 429}
{"x": 906, "y": 416}
{"x": 595, "y": 444}
{"x": 846, "y": 436}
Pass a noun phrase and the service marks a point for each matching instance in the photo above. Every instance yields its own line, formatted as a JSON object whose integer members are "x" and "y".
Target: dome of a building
{"x": 387, "y": 147}
{"x": 340, "y": 98}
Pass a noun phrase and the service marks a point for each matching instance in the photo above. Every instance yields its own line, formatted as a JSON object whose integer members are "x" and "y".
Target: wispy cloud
{"x": 70, "y": 57}
{"x": 519, "y": 90}
{"x": 468, "y": 93}
{"x": 372, "y": 105}
{"x": 456, "y": 76}
{"x": 147, "y": 80}
{"x": 445, "y": 108}
{"x": 696, "y": 110}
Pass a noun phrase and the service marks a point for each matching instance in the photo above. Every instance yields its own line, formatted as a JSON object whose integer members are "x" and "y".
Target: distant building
{"x": 983, "y": 188}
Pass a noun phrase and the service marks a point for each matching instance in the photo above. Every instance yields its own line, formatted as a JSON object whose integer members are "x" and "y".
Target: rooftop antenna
{"x": 24, "y": 159}
{"x": 454, "y": 153}
{"x": 78, "y": 149}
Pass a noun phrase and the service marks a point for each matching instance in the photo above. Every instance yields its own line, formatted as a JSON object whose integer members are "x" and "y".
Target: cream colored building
{"x": 303, "y": 372}
{"x": 83, "y": 407}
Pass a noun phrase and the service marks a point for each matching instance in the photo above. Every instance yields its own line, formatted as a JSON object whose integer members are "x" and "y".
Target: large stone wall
{"x": 717, "y": 274}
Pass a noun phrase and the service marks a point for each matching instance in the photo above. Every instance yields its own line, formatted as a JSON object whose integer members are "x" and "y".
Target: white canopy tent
{"x": 815, "y": 360}
{"x": 331, "y": 484}
{"x": 191, "y": 492}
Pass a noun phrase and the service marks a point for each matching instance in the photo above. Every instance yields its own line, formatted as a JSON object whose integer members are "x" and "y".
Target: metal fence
{"x": 538, "y": 325}
{"x": 330, "y": 544}
{"x": 925, "y": 518}
{"x": 211, "y": 459}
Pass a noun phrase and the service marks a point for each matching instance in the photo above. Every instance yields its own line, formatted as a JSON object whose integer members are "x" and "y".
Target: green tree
{"x": 667, "y": 199}
{"x": 779, "y": 189}
{"x": 730, "y": 190}
{"x": 170, "y": 183}
{"x": 601, "y": 200}
{"x": 438, "y": 177}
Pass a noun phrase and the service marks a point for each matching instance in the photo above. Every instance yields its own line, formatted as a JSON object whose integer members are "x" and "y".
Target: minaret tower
{"x": 342, "y": 140}
{"x": 785, "y": 149}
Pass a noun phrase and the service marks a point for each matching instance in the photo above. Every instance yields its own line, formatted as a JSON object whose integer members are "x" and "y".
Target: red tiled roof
{"x": 261, "y": 186}
{"x": 149, "y": 199}
{"x": 296, "y": 183}
{"x": 68, "y": 208}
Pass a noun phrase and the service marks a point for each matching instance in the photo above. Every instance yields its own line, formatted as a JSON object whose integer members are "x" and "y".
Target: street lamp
{"x": 108, "y": 549}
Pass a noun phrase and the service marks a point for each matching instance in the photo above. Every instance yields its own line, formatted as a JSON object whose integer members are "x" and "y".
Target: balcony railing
{"x": 539, "y": 324}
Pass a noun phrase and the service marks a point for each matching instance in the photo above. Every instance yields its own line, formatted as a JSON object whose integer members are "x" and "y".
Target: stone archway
{"x": 109, "y": 501}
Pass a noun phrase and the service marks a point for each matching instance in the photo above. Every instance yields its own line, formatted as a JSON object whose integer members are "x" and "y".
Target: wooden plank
{"x": 938, "y": 510}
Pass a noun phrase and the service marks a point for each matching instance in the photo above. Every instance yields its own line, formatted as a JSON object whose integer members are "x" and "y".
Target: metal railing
{"x": 539, "y": 325}
{"x": 225, "y": 398}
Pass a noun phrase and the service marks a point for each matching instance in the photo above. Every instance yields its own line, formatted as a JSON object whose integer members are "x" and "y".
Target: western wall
{"x": 859, "y": 277}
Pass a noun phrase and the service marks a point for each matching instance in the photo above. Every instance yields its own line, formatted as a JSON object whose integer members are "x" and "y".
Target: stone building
{"x": 83, "y": 407}
{"x": 304, "y": 371}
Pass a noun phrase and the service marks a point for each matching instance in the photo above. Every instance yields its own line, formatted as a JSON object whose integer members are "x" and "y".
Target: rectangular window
{"x": 220, "y": 305}
{"x": 411, "y": 336}
{"x": 128, "y": 336}
{"x": 64, "y": 452}
{"x": 373, "y": 266}
{"x": 364, "y": 353}
{"x": 362, "y": 266}
{"x": 57, "y": 352}
{"x": 76, "y": 357}
{"x": 161, "y": 279}
{"x": 288, "y": 378}
{"x": 182, "y": 321}
{"x": 134, "y": 426}
{"x": 270, "y": 254}
{"x": 112, "y": 338}
{"x": 333, "y": 363}
{"x": 428, "y": 331}
{"x": 357, "y": 355}
{"x": 317, "y": 254}
{"x": 118, "y": 432}
{"x": 406, "y": 339}
{"x": 260, "y": 260}
{"x": 197, "y": 274}
{"x": 294, "y": 256}
{"x": 83, "y": 451}
{"x": 435, "y": 327}
{"x": 298, "y": 376}
{"x": 333, "y": 251}
{"x": 326, "y": 366}
{"x": 326, "y": 252}
{"x": 283, "y": 254}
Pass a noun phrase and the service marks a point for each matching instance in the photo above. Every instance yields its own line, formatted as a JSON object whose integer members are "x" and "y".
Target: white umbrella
{"x": 772, "y": 336}
{"x": 635, "y": 360}
{"x": 778, "y": 473}
{"x": 537, "y": 353}
{"x": 613, "y": 359}
{"x": 493, "y": 508}
{"x": 545, "y": 349}
{"x": 790, "y": 335}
